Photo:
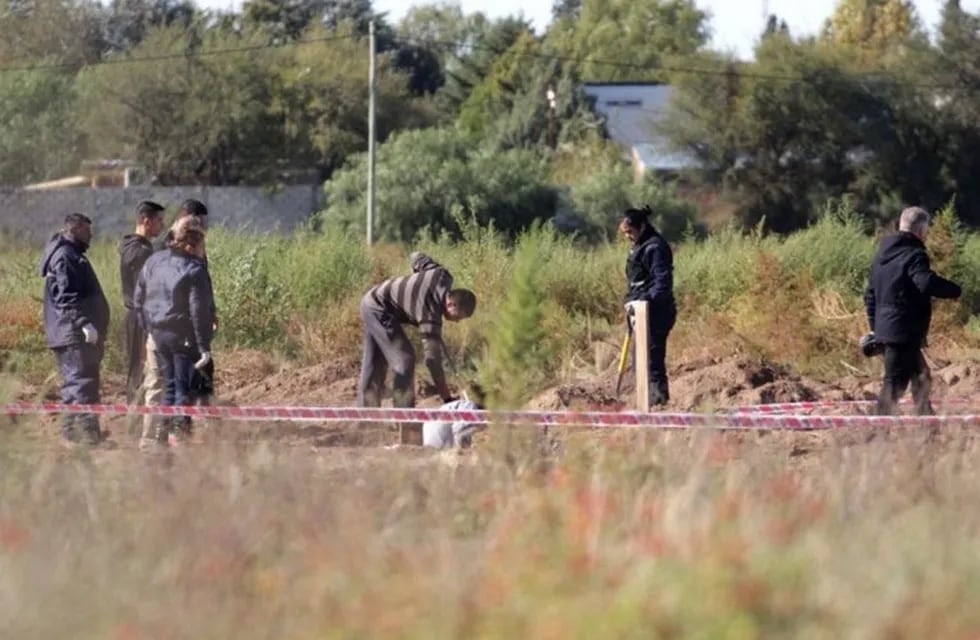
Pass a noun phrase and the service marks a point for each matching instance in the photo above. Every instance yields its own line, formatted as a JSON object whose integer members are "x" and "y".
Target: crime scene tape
{"x": 800, "y": 407}
{"x": 637, "y": 420}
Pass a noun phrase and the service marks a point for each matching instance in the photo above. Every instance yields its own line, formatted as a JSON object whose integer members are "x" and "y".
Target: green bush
{"x": 424, "y": 176}
{"x": 712, "y": 271}
{"x": 599, "y": 201}
{"x": 836, "y": 250}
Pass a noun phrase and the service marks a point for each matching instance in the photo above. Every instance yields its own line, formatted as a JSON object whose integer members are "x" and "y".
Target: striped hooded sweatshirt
{"x": 419, "y": 300}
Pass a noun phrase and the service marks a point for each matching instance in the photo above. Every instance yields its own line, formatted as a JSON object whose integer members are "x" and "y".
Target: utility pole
{"x": 372, "y": 81}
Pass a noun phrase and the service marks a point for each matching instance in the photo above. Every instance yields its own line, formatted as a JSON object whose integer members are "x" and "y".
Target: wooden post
{"x": 641, "y": 357}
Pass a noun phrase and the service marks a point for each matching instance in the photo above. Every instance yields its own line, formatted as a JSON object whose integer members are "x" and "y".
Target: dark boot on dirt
{"x": 182, "y": 429}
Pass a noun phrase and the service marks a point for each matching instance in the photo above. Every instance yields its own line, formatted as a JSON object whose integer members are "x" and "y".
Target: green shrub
{"x": 599, "y": 201}
{"x": 424, "y": 176}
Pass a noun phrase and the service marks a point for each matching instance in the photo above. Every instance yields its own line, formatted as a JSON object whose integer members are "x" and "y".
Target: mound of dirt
{"x": 732, "y": 383}
{"x": 330, "y": 383}
{"x": 960, "y": 380}
{"x": 697, "y": 385}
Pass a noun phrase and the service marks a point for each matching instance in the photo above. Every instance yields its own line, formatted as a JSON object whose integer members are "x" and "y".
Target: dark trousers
{"x": 135, "y": 357}
{"x": 657, "y": 354}
{"x": 385, "y": 347}
{"x": 176, "y": 362}
{"x": 79, "y": 367}
{"x": 904, "y": 365}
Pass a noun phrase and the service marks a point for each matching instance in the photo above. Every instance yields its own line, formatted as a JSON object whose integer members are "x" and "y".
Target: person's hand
{"x": 631, "y": 306}
{"x": 91, "y": 333}
{"x": 203, "y": 362}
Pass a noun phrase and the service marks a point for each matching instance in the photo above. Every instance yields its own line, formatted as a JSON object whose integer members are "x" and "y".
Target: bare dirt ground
{"x": 253, "y": 378}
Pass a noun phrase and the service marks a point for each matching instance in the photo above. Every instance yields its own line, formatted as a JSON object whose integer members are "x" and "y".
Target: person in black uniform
{"x": 650, "y": 278}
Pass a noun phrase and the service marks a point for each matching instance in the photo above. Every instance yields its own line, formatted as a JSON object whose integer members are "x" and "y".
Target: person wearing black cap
{"x": 650, "y": 278}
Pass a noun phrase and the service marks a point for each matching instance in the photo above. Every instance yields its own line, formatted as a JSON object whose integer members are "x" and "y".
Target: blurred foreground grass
{"x": 618, "y": 536}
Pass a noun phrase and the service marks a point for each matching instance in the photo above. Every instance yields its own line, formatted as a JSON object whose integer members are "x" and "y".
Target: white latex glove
{"x": 203, "y": 362}
{"x": 91, "y": 333}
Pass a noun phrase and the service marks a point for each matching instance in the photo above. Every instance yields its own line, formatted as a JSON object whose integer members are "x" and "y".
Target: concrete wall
{"x": 34, "y": 215}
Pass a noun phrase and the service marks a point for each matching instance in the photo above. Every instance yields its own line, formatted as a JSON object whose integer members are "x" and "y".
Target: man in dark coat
{"x": 650, "y": 278}
{"x": 134, "y": 249}
{"x": 76, "y": 320}
{"x": 898, "y": 301}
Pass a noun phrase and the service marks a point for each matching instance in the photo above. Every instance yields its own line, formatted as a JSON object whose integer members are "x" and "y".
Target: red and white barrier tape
{"x": 718, "y": 421}
{"x": 800, "y": 407}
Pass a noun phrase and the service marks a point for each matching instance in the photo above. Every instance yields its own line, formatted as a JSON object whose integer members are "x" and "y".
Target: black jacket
{"x": 134, "y": 250}
{"x": 650, "y": 277}
{"x": 174, "y": 294}
{"x": 900, "y": 291}
{"x": 73, "y": 296}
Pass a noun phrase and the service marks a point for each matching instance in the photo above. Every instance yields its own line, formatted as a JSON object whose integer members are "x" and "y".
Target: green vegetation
{"x": 796, "y": 300}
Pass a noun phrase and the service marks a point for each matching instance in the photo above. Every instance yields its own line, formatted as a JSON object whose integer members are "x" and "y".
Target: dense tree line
{"x": 871, "y": 108}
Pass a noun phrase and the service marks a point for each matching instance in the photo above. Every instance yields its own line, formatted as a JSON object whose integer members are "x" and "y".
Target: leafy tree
{"x": 126, "y": 22}
{"x": 256, "y": 116}
{"x": 470, "y": 64}
{"x": 639, "y": 34}
{"x": 957, "y": 67}
{"x": 39, "y": 138}
{"x": 876, "y": 31}
{"x": 67, "y": 32}
{"x": 510, "y": 107}
{"x": 424, "y": 176}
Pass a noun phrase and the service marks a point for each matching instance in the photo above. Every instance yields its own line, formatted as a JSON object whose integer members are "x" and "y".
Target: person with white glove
{"x": 650, "y": 279}
{"x": 76, "y": 319}
{"x": 175, "y": 300}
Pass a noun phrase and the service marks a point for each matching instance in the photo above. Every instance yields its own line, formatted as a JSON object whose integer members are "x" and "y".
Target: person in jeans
{"x": 152, "y": 380}
{"x": 76, "y": 320}
{"x": 898, "y": 301}
{"x": 176, "y": 304}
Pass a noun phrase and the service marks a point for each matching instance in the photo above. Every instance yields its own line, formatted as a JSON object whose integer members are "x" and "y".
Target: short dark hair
{"x": 636, "y": 218}
{"x": 148, "y": 209}
{"x": 194, "y": 208}
{"x": 74, "y": 219}
{"x": 465, "y": 301}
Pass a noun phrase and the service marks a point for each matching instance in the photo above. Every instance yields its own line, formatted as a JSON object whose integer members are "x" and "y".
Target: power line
{"x": 880, "y": 78}
{"x": 177, "y": 56}
{"x": 877, "y": 78}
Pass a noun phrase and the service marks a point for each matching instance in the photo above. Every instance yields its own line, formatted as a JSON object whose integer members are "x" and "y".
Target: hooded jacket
{"x": 650, "y": 277}
{"x": 174, "y": 294}
{"x": 134, "y": 250}
{"x": 73, "y": 296}
{"x": 900, "y": 289}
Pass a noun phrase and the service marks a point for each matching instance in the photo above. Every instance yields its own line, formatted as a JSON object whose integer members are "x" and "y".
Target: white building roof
{"x": 632, "y": 113}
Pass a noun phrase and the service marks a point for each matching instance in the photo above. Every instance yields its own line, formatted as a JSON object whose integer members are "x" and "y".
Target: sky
{"x": 735, "y": 24}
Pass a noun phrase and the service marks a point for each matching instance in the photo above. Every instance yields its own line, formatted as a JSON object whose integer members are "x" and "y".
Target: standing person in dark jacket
{"x": 175, "y": 302}
{"x": 76, "y": 320}
{"x": 650, "y": 278}
{"x": 203, "y": 383}
{"x": 899, "y": 305}
{"x": 422, "y": 299}
{"x": 134, "y": 249}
